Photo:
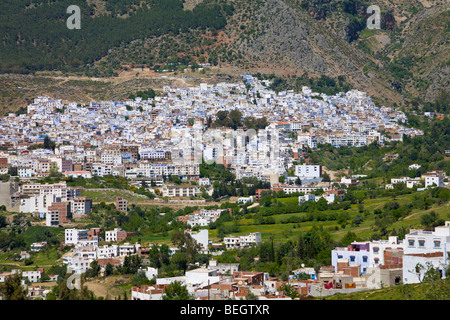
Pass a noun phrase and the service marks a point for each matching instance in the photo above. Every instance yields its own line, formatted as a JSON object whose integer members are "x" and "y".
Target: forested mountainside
{"x": 406, "y": 62}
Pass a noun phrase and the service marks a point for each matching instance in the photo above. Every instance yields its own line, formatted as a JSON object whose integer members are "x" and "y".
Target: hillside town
{"x": 359, "y": 266}
{"x": 169, "y": 134}
{"x": 159, "y": 144}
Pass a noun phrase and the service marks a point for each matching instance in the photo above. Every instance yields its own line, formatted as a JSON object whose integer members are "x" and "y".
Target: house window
{"x": 376, "y": 249}
{"x": 352, "y": 258}
{"x": 364, "y": 258}
{"x": 339, "y": 257}
{"x": 376, "y": 260}
{"x": 421, "y": 243}
{"x": 411, "y": 242}
{"x": 437, "y": 243}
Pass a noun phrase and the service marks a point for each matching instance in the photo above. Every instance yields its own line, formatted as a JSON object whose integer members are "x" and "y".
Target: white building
{"x": 201, "y": 277}
{"x": 150, "y": 273}
{"x": 434, "y": 180}
{"x": 146, "y": 293}
{"x": 243, "y": 200}
{"x": 309, "y": 139}
{"x": 306, "y": 197}
{"x": 202, "y": 237}
{"x": 426, "y": 247}
{"x": 308, "y": 171}
{"x": 106, "y": 252}
{"x": 73, "y": 236}
{"x": 204, "y": 182}
{"x": 77, "y": 264}
{"x": 414, "y": 166}
{"x": 78, "y": 174}
{"x": 378, "y": 247}
{"x": 32, "y": 276}
{"x": 242, "y": 241}
{"x": 366, "y": 254}
{"x": 409, "y": 182}
{"x": 111, "y": 235}
{"x": 37, "y": 204}
{"x": 127, "y": 249}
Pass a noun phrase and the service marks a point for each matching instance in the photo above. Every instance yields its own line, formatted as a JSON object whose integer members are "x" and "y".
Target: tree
{"x": 251, "y": 296}
{"x": 49, "y": 144}
{"x": 426, "y": 273}
{"x": 301, "y": 276}
{"x": 12, "y": 288}
{"x": 180, "y": 260}
{"x": 94, "y": 270}
{"x": 109, "y": 269}
{"x": 289, "y": 291}
{"x": 429, "y": 219}
{"x": 3, "y": 222}
{"x": 186, "y": 243}
{"x": 265, "y": 201}
{"x": 177, "y": 291}
{"x": 131, "y": 264}
{"x": 357, "y": 220}
{"x": 235, "y": 119}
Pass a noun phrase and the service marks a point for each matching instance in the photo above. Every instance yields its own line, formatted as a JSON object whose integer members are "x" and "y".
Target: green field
{"x": 110, "y": 195}
{"x": 286, "y": 231}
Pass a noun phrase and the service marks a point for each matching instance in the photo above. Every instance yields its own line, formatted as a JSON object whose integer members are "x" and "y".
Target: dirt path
{"x": 108, "y": 287}
{"x": 424, "y": 211}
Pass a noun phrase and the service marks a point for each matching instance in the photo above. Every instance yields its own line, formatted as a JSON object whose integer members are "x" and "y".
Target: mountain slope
{"x": 406, "y": 62}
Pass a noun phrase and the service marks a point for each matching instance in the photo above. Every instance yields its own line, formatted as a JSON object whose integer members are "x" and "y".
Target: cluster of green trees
{"x": 393, "y": 211}
{"x": 353, "y": 11}
{"x": 19, "y": 234}
{"x": 441, "y": 104}
{"x": 311, "y": 248}
{"x": 215, "y": 171}
{"x": 36, "y": 37}
{"x": 144, "y": 94}
{"x": 427, "y": 150}
{"x": 322, "y": 84}
{"x": 233, "y": 119}
{"x": 238, "y": 188}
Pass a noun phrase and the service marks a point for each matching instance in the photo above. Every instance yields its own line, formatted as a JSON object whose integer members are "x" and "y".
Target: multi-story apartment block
{"x": 308, "y": 139}
{"x": 105, "y": 252}
{"x": 365, "y": 254}
{"x": 155, "y": 155}
{"x": 32, "y": 276}
{"x": 121, "y": 204}
{"x": 434, "y": 178}
{"x": 58, "y": 213}
{"x": 102, "y": 169}
{"x": 308, "y": 171}
{"x": 37, "y": 204}
{"x": 73, "y": 236}
{"x": 180, "y": 191}
{"x": 423, "y": 247}
{"x": 354, "y": 140}
{"x": 116, "y": 235}
{"x": 77, "y": 264}
{"x": 242, "y": 241}
{"x": 80, "y": 205}
{"x": 25, "y": 172}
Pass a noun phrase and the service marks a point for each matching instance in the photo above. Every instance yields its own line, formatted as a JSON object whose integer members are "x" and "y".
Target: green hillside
{"x": 36, "y": 36}
{"x": 431, "y": 290}
{"x": 403, "y": 63}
